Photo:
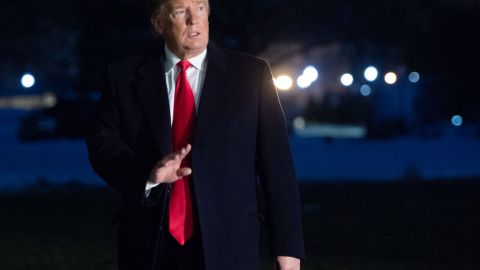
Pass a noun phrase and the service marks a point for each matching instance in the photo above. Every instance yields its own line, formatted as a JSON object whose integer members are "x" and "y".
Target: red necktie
{"x": 180, "y": 206}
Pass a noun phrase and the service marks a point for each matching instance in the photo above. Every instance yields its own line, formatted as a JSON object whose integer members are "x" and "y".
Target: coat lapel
{"x": 152, "y": 91}
{"x": 213, "y": 91}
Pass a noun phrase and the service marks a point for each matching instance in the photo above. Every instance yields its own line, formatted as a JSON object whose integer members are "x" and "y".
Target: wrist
{"x": 149, "y": 185}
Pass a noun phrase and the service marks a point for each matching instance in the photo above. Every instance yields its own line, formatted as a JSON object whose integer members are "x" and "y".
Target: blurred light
{"x": 365, "y": 90}
{"x": 313, "y": 130}
{"x": 49, "y": 100}
{"x": 371, "y": 74}
{"x": 346, "y": 79}
{"x": 28, "y": 102}
{"x": 299, "y": 123}
{"x": 27, "y": 80}
{"x": 391, "y": 78}
{"x": 283, "y": 82}
{"x": 303, "y": 81}
{"x": 310, "y": 73}
{"x": 414, "y": 77}
{"x": 457, "y": 120}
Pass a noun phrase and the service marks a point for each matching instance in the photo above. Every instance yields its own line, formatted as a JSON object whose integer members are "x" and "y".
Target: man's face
{"x": 184, "y": 26}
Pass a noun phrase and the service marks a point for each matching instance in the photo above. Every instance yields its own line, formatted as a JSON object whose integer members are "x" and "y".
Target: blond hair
{"x": 154, "y": 6}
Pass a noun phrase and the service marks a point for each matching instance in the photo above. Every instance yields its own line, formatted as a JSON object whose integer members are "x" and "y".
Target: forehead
{"x": 175, "y": 3}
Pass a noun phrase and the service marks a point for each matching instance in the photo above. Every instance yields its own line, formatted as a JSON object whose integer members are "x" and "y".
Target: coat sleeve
{"x": 110, "y": 156}
{"x": 277, "y": 176}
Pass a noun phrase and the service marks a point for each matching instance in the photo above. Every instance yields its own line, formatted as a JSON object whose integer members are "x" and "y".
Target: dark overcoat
{"x": 240, "y": 148}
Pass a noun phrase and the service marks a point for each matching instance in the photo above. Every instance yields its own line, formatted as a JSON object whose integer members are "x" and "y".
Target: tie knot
{"x": 184, "y": 65}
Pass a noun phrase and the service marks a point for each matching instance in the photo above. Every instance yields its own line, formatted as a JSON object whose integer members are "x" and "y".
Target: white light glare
{"x": 303, "y": 81}
{"x": 27, "y": 80}
{"x": 346, "y": 79}
{"x": 391, "y": 78}
{"x": 371, "y": 74}
{"x": 283, "y": 82}
{"x": 310, "y": 73}
{"x": 414, "y": 77}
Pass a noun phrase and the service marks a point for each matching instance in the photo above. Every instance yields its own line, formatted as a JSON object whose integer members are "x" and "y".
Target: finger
{"x": 167, "y": 158}
{"x": 170, "y": 162}
{"x": 175, "y": 157}
{"x": 181, "y": 152}
{"x": 184, "y": 172}
{"x": 185, "y": 150}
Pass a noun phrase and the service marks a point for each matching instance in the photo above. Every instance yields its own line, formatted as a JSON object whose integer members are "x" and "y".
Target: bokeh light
{"x": 365, "y": 90}
{"x": 27, "y": 80}
{"x": 346, "y": 79}
{"x": 283, "y": 82}
{"x": 414, "y": 77}
{"x": 457, "y": 120}
{"x": 310, "y": 73}
{"x": 391, "y": 78}
{"x": 299, "y": 123}
{"x": 371, "y": 73}
{"x": 303, "y": 82}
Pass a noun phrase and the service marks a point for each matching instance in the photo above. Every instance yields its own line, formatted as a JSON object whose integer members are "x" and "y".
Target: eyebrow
{"x": 174, "y": 6}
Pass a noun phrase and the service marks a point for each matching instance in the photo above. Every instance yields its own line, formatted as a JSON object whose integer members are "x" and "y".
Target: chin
{"x": 197, "y": 46}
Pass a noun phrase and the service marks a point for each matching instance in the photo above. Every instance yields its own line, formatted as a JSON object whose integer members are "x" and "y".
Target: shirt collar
{"x": 172, "y": 60}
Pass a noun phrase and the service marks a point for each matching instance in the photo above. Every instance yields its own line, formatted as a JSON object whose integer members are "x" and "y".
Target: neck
{"x": 185, "y": 54}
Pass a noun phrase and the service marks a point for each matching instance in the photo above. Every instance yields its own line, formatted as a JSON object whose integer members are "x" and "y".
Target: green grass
{"x": 410, "y": 225}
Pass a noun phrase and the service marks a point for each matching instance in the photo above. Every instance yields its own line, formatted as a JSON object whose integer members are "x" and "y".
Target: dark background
{"x": 403, "y": 196}
{"x": 68, "y": 44}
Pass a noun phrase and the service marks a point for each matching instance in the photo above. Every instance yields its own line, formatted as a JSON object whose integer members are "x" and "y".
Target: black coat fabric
{"x": 240, "y": 146}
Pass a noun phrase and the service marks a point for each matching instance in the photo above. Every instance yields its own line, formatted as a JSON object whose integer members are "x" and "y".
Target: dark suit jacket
{"x": 240, "y": 145}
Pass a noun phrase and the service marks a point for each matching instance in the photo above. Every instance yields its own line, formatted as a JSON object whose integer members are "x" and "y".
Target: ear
{"x": 157, "y": 24}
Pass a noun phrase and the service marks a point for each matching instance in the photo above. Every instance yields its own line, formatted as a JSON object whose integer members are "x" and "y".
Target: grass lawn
{"x": 357, "y": 226}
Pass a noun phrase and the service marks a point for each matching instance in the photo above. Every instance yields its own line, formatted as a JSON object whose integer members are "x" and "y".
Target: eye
{"x": 178, "y": 13}
{"x": 200, "y": 8}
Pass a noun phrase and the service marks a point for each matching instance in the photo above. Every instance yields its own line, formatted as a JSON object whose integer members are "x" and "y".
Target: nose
{"x": 192, "y": 17}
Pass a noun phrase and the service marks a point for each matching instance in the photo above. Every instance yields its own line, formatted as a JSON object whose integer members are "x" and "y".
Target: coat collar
{"x": 171, "y": 60}
{"x": 152, "y": 91}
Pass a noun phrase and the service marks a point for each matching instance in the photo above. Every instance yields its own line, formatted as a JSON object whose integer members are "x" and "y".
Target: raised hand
{"x": 168, "y": 169}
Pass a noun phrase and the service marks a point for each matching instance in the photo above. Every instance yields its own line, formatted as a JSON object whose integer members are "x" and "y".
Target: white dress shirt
{"x": 195, "y": 75}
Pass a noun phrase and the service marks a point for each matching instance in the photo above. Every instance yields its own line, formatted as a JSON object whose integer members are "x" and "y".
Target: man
{"x": 190, "y": 137}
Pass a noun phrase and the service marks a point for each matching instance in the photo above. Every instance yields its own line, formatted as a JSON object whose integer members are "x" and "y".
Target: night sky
{"x": 68, "y": 43}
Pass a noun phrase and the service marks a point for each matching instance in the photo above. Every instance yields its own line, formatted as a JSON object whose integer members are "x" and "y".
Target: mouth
{"x": 193, "y": 34}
